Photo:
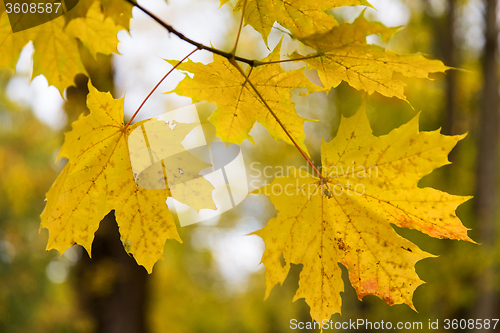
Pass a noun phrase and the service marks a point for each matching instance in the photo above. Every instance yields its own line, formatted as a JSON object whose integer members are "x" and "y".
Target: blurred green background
{"x": 212, "y": 284}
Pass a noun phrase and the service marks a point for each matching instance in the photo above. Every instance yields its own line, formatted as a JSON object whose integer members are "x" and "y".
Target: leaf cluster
{"x": 331, "y": 217}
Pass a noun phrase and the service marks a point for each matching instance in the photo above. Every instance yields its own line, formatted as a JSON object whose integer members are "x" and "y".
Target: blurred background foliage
{"x": 213, "y": 284}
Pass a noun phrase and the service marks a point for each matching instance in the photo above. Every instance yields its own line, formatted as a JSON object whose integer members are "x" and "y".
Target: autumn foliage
{"x": 338, "y": 213}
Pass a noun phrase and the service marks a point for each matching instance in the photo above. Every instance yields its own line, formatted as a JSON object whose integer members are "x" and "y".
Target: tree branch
{"x": 200, "y": 46}
{"x": 232, "y": 59}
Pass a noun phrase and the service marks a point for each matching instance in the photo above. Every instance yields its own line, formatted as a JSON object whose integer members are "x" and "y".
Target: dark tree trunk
{"x": 446, "y": 49}
{"x": 111, "y": 285}
{"x": 450, "y": 58}
{"x": 487, "y": 167}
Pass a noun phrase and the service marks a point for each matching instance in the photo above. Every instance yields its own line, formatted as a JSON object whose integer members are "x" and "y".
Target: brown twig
{"x": 239, "y": 28}
{"x": 232, "y": 59}
{"x": 224, "y": 54}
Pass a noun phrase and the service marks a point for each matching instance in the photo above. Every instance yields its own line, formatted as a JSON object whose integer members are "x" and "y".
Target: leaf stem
{"x": 232, "y": 59}
{"x": 247, "y": 79}
{"x": 259, "y": 63}
{"x": 239, "y": 28}
{"x": 152, "y": 91}
{"x": 200, "y": 46}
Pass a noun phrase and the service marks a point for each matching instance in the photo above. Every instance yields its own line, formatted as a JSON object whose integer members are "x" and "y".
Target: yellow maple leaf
{"x": 98, "y": 178}
{"x": 95, "y": 31}
{"x": 344, "y": 55}
{"x": 56, "y": 53}
{"x": 238, "y": 106}
{"x": 369, "y": 183}
{"x": 300, "y": 17}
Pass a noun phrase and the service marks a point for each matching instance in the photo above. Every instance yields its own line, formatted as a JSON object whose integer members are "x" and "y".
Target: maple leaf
{"x": 98, "y": 178}
{"x": 300, "y": 17}
{"x": 95, "y": 31}
{"x": 56, "y": 54}
{"x": 119, "y": 11}
{"x": 238, "y": 106}
{"x": 369, "y": 183}
{"x": 56, "y": 50}
{"x": 344, "y": 55}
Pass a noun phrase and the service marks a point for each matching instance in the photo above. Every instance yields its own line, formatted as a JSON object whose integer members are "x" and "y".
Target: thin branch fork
{"x": 200, "y": 46}
{"x": 232, "y": 59}
{"x": 247, "y": 79}
{"x": 157, "y": 85}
